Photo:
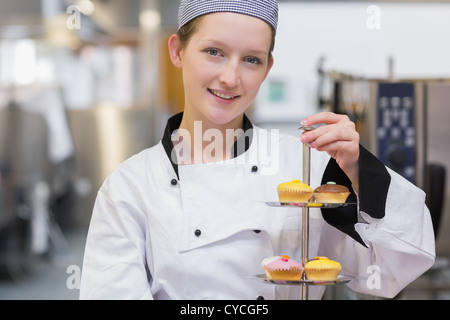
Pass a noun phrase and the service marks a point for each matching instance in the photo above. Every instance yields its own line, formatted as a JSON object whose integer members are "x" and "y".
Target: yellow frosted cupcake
{"x": 322, "y": 269}
{"x": 294, "y": 191}
{"x": 331, "y": 193}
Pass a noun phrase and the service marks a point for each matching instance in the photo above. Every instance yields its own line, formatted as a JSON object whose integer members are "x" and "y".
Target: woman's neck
{"x": 203, "y": 141}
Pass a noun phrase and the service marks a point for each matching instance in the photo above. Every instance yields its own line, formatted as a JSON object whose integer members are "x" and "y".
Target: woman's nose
{"x": 229, "y": 75}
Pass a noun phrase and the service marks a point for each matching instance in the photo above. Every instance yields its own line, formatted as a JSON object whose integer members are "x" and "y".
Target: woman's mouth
{"x": 223, "y": 95}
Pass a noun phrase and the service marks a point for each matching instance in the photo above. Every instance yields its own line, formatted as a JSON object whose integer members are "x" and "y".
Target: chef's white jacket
{"x": 200, "y": 231}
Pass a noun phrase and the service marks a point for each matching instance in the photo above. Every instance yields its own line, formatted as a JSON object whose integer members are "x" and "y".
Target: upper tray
{"x": 308, "y": 204}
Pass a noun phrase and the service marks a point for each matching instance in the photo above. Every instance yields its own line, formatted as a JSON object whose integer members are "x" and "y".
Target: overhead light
{"x": 150, "y": 19}
{"x": 87, "y": 7}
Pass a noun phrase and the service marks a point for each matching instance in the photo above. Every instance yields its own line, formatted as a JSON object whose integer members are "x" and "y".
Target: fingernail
{"x": 304, "y": 122}
{"x": 304, "y": 137}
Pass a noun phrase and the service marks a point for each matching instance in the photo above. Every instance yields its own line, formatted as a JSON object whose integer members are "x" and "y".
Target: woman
{"x": 186, "y": 219}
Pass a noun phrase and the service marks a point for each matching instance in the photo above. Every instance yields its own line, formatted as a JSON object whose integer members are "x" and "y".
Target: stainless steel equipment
{"x": 404, "y": 124}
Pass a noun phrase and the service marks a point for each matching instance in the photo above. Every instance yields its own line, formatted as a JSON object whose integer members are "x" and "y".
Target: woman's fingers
{"x": 338, "y": 137}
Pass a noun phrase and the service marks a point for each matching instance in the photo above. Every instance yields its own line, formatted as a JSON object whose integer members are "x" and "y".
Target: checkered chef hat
{"x": 266, "y": 10}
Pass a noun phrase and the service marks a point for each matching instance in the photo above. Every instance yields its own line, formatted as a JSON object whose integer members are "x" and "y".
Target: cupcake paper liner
{"x": 322, "y": 274}
{"x": 340, "y": 197}
{"x": 294, "y": 196}
{"x": 284, "y": 274}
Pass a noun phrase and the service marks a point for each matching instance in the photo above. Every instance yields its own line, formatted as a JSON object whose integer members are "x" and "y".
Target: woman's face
{"x": 224, "y": 64}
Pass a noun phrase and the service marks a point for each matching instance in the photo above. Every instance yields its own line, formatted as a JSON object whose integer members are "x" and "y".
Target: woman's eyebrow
{"x": 222, "y": 44}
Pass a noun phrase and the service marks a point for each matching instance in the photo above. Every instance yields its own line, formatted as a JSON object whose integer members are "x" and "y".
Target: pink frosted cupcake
{"x": 282, "y": 268}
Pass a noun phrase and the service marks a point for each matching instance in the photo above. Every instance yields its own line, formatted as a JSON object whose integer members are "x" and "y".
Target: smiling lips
{"x": 223, "y": 95}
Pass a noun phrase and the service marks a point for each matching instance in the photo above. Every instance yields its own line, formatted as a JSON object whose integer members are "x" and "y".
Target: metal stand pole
{"x": 305, "y": 211}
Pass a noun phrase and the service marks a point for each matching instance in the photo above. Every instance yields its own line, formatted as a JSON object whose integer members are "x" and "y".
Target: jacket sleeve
{"x": 387, "y": 240}
{"x": 114, "y": 254}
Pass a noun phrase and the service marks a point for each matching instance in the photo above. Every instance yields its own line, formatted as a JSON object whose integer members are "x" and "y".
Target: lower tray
{"x": 341, "y": 279}
{"x": 307, "y": 204}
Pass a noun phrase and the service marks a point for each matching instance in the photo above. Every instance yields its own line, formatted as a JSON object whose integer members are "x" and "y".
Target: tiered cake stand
{"x": 304, "y": 283}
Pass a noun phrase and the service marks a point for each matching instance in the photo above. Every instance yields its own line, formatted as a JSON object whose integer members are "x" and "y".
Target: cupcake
{"x": 282, "y": 268}
{"x": 294, "y": 191}
{"x": 331, "y": 193}
{"x": 322, "y": 269}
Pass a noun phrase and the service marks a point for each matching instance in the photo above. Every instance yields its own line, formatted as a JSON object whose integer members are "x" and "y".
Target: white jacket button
{"x": 197, "y": 232}
{"x": 174, "y": 182}
{"x": 260, "y": 298}
{"x": 254, "y": 168}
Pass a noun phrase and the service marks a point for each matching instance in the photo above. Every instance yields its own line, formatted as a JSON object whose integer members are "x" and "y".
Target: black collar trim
{"x": 174, "y": 123}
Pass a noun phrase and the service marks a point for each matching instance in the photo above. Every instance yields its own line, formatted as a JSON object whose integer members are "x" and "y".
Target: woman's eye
{"x": 253, "y": 60}
{"x": 212, "y": 52}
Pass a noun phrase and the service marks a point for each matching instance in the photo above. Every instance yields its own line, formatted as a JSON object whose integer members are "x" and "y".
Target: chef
{"x": 188, "y": 219}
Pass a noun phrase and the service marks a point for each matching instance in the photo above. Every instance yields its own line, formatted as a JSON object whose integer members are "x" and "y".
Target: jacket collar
{"x": 173, "y": 123}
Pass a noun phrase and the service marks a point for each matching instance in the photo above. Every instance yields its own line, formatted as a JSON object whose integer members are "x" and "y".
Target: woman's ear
{"x": 269, "y": 66}
{"x": 175, "y": 50}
